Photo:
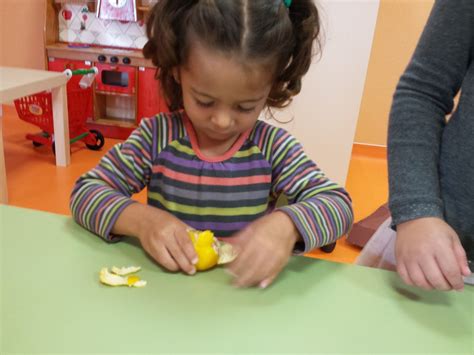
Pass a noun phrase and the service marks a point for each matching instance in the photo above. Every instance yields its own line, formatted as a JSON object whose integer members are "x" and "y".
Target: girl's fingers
{"x": 255, "y": 272}
{"x": 251, "y": 264}
{"x": 237, "y": 267}
{"x": 260, "y": 267}
{"x": 268, "y": 281}
{"x": 279, "y": 265}
{"x": 180, "y": 258}
{"x": 243, "y": 267}
{"x": 159, "y": 252}
{"x": 186, "y": 246}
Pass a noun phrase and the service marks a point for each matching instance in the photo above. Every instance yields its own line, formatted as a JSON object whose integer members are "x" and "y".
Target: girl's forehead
{"x": 214, "y": 68}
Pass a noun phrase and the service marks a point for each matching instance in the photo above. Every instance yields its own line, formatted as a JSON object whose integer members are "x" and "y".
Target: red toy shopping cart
{"x": 37, "y": 109}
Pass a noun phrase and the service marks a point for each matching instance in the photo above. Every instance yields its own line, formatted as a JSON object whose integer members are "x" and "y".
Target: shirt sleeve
{"x": 100, "y": 195}
{"x": 320, "y": 209}
{"x": 424, "y": 96}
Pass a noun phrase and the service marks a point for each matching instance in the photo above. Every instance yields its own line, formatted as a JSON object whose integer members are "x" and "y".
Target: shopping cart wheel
{"x": 41, "y": 134}
{"x": 328, "y": 248}
{"x": 99, "y": 140}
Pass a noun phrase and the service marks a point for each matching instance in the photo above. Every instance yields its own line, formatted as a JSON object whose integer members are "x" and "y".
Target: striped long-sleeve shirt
{"x": 222, "y": 194}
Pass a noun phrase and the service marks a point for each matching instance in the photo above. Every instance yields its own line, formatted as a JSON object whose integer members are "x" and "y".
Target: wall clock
{"x": 120, "y": 10}
{"x": 117, "y": 3}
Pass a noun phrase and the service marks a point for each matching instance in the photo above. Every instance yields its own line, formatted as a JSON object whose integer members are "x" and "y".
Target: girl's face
{"x": 222, "y": 97}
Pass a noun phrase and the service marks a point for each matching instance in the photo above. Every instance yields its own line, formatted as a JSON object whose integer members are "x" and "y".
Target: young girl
{"x": 210, "y": 164}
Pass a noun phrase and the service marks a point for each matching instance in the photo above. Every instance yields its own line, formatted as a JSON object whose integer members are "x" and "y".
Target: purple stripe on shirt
{"x": 224, "y": 166}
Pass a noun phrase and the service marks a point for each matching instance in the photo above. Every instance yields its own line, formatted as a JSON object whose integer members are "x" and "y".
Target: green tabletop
{"x": 52, "y": 301}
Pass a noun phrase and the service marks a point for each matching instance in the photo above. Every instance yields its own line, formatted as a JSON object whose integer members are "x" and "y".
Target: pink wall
{"x": 21, "y": 33}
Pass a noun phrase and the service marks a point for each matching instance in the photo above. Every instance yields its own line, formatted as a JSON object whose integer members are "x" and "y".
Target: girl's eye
{"x": 245, "y": 109}
{"x": 205, "y": 104}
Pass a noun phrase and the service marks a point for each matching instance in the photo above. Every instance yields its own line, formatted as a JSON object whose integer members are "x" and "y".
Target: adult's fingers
{"x": 418, "y": 277}
{"x": 461, "y": 258}
{"x": 403, "y": 272}
{"x": 450, "y": 268}
{"x": 435, "y": 276}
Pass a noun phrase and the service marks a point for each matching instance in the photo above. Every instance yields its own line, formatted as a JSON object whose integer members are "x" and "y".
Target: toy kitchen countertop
{"x": 114, "y": 56}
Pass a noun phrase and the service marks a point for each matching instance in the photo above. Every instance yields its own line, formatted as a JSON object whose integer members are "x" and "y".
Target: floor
{"x": 35, "y": 182}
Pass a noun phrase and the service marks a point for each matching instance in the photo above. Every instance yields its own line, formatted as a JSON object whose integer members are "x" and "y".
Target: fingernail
{"x": 193, "y": 271}
{"x": 195, "y": 260}
{"x": 263, "y": 284}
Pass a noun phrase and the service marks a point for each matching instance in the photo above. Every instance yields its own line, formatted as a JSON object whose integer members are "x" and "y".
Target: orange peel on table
{"x": 125, "y": 270}
{"x": 118, "y": 277}
{"x": 210, "y": 250}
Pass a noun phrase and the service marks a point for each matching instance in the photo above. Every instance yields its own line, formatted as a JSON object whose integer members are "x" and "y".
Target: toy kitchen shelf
{"x": 125, "y": 89}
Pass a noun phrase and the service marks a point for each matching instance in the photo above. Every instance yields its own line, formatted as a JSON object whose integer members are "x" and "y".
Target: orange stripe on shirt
{"x": 209, "y": 180}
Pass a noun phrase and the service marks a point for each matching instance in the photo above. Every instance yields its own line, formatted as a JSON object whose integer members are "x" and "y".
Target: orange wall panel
{"x": 399, "y": 25}
{"x": 21, "y": 33}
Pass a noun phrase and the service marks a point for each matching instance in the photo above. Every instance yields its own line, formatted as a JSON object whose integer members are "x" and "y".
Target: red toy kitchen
{"x": 110, "y": 35}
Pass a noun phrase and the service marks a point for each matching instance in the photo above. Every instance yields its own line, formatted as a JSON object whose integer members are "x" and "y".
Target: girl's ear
{"x": 175, "y": 72}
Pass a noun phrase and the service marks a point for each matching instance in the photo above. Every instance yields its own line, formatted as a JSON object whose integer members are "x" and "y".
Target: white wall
{"x": 326, "y": 111}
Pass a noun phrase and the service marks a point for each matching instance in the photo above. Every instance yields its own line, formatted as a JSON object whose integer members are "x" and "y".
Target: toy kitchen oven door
{"x": 116, "y": 97}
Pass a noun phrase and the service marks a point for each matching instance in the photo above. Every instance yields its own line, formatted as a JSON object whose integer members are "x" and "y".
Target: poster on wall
{"x": 120, "y": 10}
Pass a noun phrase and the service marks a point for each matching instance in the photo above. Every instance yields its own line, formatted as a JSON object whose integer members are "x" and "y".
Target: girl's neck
{"x": 213, "y": 150}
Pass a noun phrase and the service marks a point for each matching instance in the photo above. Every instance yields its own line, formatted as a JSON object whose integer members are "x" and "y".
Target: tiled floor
{"x": 35, "y": 182}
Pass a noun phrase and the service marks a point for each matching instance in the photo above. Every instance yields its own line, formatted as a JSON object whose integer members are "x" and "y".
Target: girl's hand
{"x": 163, "y": 236}
{"x": 264, "y": 249}
{"x": 429, "y": 255}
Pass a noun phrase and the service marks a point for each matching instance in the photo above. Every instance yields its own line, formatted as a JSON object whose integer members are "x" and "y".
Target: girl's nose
{"x": 221, "y": 120}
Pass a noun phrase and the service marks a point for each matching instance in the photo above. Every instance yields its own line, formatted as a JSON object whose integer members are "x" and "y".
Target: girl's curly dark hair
{"x": 261, "y": 30}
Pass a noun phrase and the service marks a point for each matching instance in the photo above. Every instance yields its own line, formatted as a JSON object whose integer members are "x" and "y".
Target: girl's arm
{"x": 320, "y": 209}
{"x": 318, "y": 213}
{"x": 100, "y": 195}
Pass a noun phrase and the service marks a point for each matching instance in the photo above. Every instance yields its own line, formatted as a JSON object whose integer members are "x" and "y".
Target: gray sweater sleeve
{"x": 424, "y": 96}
